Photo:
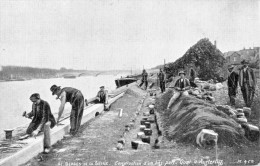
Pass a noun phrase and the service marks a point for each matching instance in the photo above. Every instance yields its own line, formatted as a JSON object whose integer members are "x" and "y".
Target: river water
{"x": 15, "y": 95}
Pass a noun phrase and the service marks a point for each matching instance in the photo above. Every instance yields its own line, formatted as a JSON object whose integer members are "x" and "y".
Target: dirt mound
{"x": 189, "y": 116}
{"x": 134, "y": 91}
{"x": 204, "y": 58}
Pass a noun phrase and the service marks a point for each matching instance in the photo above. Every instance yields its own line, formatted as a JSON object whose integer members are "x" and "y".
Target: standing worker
{"x": 162, "y": 78}
{"x": 76, "y": 99}
{"x": 181, "y": 86}
{"x": 144, "y": 79}
{"x": 247, "y": 83}
{"x": 232, "y": 84}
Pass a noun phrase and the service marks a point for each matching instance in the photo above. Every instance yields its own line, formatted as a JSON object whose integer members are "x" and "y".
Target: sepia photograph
{"x": 129, "y": 82}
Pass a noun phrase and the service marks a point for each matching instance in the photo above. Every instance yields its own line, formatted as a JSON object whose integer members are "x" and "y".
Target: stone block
{"x": 140, "y": 135}
{"x": 146, "y": 139}
{"x": 148, "y": 132}
{"x": 142, "y": 127}
{"x": 119, "y": 146}
{"x": 206, "y": 138}
{"x": 251, "y": 132}
{"x": 121, "y": 140}
{"x": 147, "y": 125}
{"x": 247, "y": 111}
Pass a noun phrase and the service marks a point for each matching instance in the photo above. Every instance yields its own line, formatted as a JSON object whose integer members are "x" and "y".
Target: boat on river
{"x": 126, "y": 80}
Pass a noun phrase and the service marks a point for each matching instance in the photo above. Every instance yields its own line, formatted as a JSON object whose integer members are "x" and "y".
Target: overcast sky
{"x": 120, "y": 34}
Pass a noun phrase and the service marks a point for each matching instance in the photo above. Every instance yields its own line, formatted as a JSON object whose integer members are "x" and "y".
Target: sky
{"x": 120, "y": 34}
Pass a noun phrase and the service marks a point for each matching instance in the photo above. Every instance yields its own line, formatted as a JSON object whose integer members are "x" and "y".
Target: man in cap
{"x": 101, "y": 96}
{"x": 40, "y": 114}
{"x": 180, "y": 88}
{"x": 162, "y": 78}
{"x": 144, "y": 79}
{"x": 247, "y": 82}
{"x": 76, "y": 99}
{"x": 232, "y": 84}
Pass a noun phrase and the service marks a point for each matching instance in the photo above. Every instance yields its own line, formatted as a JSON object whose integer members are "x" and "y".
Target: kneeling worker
{"x": 76, "y": 99}
{"x": 40, "y": 114}
{"x": 180, "y": 88}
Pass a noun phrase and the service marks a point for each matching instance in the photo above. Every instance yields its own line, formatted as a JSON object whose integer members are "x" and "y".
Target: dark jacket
{"x": 71, "y": 94}
{"x": 247, "y": 77}
{"x": 161, "y": 76}
{"x": 41, "y": 114}
{"x": 233, "y": 80}
{"x": 185, "y": 84}
{"x": 102, "y": 96}
{"x": 144, "y": 76}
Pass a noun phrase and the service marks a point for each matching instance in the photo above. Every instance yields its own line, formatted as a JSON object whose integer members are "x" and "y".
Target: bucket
{"x": 8, "y": 133}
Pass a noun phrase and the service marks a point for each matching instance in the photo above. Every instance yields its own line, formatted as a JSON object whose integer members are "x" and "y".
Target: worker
{"x": 162, "y": 78}
{"x": 40, "y": 114}
{"x": 180, "y": 88}
{"x": 247, "y": 82}
{"x": 232, "y": 84}
{"x": 76, "y": 99}
{"x": 101, "y": 96}
{"x": 144, "y": 79}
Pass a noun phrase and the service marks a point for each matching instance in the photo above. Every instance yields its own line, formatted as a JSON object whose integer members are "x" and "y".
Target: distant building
{"x": 235, "y": 57}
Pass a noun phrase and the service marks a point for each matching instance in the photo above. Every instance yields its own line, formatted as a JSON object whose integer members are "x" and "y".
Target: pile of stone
{"x": 204, "y": 89}
{"x": 201, "y": 94}
{"x": 240, "y": 115}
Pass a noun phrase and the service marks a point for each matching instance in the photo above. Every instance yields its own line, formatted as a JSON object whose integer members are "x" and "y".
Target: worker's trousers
{"x": 175, "y": 96}
{"x": 76, "y": 113}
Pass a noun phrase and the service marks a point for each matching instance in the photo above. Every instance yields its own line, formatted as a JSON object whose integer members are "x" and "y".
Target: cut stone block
{"x": 140, "y": 135}
{"x": 146, "y": 139}
{"x": 143, "y": 122}
{"x": 251, "y": 132}
{"x": 151, "y": 119}
{"x": 135, "y": 144}
{"x": 142, "y": 127}
{"x": 247, "y": 111}
{"x": 239, "y": 110}
{"x": 206, "y": 138}
{"x": 145, "y": 118}
{"x": 147, "y": 125}
{"x": 148, "y": 132}
{"x": 242, "y": 120}
{"x": 122, "y": 141}
{"x": 151, "y": 106}
{"x": 120, "y": 146}
{"x": 240, "y": 115}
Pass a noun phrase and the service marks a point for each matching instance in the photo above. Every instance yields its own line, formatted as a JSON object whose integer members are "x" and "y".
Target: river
{"x": 15, "y": 95}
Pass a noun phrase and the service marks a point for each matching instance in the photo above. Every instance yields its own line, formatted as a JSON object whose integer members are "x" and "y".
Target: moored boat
{"x": 124, "y": 81}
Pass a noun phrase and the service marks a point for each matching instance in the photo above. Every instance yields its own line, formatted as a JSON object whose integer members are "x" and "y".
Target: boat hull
{"x": 124, "y": 81}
